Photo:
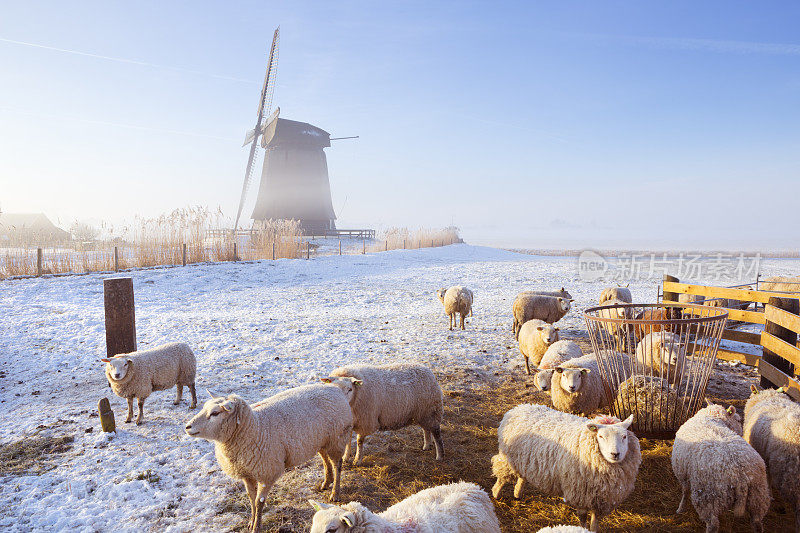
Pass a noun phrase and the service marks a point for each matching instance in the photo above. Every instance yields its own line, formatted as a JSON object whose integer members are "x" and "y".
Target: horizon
{"x": 550, "y": 126}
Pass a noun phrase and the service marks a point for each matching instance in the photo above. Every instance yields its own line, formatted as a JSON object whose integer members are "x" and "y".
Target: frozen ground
{"x": 256, "y": 328}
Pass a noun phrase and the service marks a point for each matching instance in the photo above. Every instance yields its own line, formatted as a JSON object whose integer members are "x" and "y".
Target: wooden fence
{"x": 777, "y": 313}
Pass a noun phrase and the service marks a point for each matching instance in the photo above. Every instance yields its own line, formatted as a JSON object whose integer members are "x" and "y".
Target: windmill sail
{"x": 264, "y": 105}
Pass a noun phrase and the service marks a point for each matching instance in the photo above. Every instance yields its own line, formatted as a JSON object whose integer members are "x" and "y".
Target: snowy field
{"x": 256, "y": 328}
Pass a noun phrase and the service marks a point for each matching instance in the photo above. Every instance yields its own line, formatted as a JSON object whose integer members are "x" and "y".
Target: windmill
{"x": 294, "y": 180}
{"x": 264, "y": 105}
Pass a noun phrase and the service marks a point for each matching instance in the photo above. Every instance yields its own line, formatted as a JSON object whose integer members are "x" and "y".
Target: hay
{"x": 32, "y": 455}
{"x": 654, "y": 404}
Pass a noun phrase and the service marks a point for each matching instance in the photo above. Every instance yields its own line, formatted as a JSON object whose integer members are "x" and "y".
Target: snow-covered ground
{"x": 256, "y": 328}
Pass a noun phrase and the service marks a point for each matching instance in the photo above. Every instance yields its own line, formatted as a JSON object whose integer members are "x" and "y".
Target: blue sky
{"x": 538, "y": 124}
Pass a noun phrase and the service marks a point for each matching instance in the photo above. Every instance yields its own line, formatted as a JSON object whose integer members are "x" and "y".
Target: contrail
{"x": 128, "y": 61}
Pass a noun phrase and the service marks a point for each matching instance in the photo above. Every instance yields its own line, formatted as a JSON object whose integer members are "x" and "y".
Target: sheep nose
{"x": 615, "y": 455}
{"x": 116, "y": 376}
{"x": 188, "y": 427}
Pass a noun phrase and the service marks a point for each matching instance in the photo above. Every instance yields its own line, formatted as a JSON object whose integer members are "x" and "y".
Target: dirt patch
{"x": 395, "y": 466}
{"x": 32, "y": 455}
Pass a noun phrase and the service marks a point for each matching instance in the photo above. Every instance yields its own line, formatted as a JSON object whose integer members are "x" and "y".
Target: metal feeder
{"x": 655, "y": 360}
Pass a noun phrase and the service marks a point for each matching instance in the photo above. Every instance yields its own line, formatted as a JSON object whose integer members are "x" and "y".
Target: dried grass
{"x": 402, "y": 238}
{"x": 30, "y": 455}
{"x": 394, "y": 468}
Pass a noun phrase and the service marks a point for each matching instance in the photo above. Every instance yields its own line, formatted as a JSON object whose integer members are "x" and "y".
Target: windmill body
{"x": 294, "y": 179}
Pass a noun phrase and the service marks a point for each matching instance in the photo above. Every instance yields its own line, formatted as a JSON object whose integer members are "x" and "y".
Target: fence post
{"x": 235, "y": 253}
{"x": 792, "y": 306}
{"x": 386, "y": 246}
{"x": 184, "y": 254}
{"x": 308, "y": 250}
{"x": 39, "y": 262}
{"x": 120, "y": 316}
{"x": 670, "y": 296}
{"x": 363, "y": 246}
{"x": 273, "y": 250}
{"x": 116, "y": 259}
{"x": 404, "y": 244}
{"x": 340, "y": 246}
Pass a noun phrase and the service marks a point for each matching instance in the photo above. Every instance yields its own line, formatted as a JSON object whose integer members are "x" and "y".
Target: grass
{"x": 30, "y": 455}
{"x": 402, "y": 238}
{"x": 395, "y": 467}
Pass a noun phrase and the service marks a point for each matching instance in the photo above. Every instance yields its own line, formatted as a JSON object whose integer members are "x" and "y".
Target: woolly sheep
{"x": 772, "y": 427}
{"x": 391, "y": 397}
{"x": 615, "y": 309}
{"x": 691, "y": 298}
{"x": 563, "y": 529}
{"x": 559, "y": 352}
{"x": 662, "y": 353}
{"x": 655, "y": 314}
{"x": 592, "y": 464}
{"x": 718, "y": 469}
{"x": 577, "y": 384}
{"x": 455, "y": 508}
{"x": 257, "y": 443}
{"x": 535, "y": 337}
{"x": 138, "y": 374}
{"x": 789, "y": 284}
{"x": 619, "y": 292}
{"x": 530, "y": 306}
{"x": 456, "y": 300}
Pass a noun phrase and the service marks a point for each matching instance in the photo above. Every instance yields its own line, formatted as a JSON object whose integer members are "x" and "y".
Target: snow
{"x": 256, "y": 328}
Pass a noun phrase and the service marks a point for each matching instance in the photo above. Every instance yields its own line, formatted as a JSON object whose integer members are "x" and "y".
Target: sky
{"x": 535, "y": 124}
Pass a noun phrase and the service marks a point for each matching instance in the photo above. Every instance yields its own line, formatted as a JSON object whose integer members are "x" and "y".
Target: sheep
{"x": 456, "y": 508}
{"x": 138, "y": 374}
{"x": 655, "y": 314}
{"x": 655, "y": 403}
{"x": 616, "y": 309}
{"x": 456, "y": 300}
{"x": 691, "y": 298}
{"x": 391, "y": 397}
{"x": 662, "y": 353}
{"x": 718, "y": 469}
{"x": 619, "y": 292}
{"x": 257, "y": 443}
{"x": 592, "y": 464}
{"x": 577, "y": 385}
{"x": 563, "y": 529}
{"x": 772, "y": 427}
{"x": 535, "y": 337}
{"x": 559, "y": 352}
{"x": 790, "y": 284}
{"x": 547, "y": 308}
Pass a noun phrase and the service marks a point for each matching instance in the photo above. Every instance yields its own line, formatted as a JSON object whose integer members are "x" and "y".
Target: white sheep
{"x": 391, "y": 397}
{"x": 563, "y": 529}
{"x": 790, "y": 284}
{"x": 137, "y": 374}
{"x": 718, "y": 469}
{"x": 559, "y": 352}
{"x": 663, "y": 354}
{"x": 535, "y": 337}
{"x": 618, "y": 330}
{"x": 592, "y": 464}
{"x": 538, "y": 306}
{"x": 456, "y": 508}
{"x": 457, "y": 300}
{"x": 577, "y": 384}
{"x": 772, "y": 427}
{"x": 616, "y": 293}
{"x": 257, "y": 443}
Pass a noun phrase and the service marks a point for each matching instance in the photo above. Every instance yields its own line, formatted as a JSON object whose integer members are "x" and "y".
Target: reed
{"x": 398, "y": 238}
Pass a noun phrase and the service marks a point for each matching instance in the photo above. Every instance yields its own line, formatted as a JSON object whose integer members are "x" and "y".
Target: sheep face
{"x": 331, "y": 519}
{"x": 117, "y": 367}
{"x": 216, "y": 419}
{"x": 548, "y": 334}
{"x": 564, "y": 303}
{"x": 348, "y": 385}
{"x": 729, "y": 416}
{"x": 542, "y": 377}
{"x": 571, "y": 378}
{"x": 612, "y": 439}
{"x": 440, "y": 293}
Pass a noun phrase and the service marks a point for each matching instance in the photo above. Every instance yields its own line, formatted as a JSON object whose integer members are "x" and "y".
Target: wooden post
{"x": 116, "y": 259}
{"x": 404, "y": 244}
{"x": 363, "y": 247}
{"x": 273, "y": 250}
{"x": 235, "y": 253}
{"x": 39, "y": 262}
{"x": 792, "y": 306}
{"x": 184, "y": 254}
{"x": 120, "y": 316}
{"x": 308, "y": 250}
{"x": 386, "y": 245}
{"x": 670, "y": 296}
{"x": 340, "y": 246}
{"x": 106, "y": 416}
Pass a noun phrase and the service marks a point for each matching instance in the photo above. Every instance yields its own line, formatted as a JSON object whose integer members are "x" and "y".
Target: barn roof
{"x": 283, "y": 132}
{"x": 30, "y": 223}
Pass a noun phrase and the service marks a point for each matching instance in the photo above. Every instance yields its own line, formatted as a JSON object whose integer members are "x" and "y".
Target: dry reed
{"x": 402, "y": 238}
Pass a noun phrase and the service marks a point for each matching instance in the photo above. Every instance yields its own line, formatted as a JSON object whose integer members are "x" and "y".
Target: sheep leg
{"x": 359, "y": 449}
{"x": 527, "y": 365}
{"x": 498, "y": 486}
{"x": 194, "y": 396}
{"x": 682, "y": 505}
{"x": 140, "y": 418}
{"x": 326, "y": 462}
{"x": 252, "y": 487}
{"x": 452, "y": 319}
{"x": 260, "y": 498}
{"x": 130, "y": 410}
{"x": 179, "y": 395}
{"x": 594, "y": 522}
{"x": 518, "y": 487}
{"x": 462, "y": 320}
{"x": 797, "y": 517}
{"x": 582, "y": 518}
{"x": 437, "y": 440}
{"x": 427, "y": 439}
{"x": 756, "y": 524}
{"x": 337, "y": 476}
{"x": 712, "y": 525}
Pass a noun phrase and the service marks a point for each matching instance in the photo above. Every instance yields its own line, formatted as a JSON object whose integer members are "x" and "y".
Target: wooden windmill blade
{"x": 264, "y": 105}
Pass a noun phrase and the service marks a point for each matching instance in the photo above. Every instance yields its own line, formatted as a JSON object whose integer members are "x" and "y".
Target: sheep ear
{"x": 358, "y": 382}
{"x": 783, "y": 389}
{"x": 556, "y": 329}
{"x": 213, "y": 396}
{"x": 540, "y": 328}
{"x": 754, "y": 389}
{"x": 585, "y": 370}
{"x": 627, "y": 422}
{"x": 104, "y": 360}
{"x": 535, "y": 369}
{"x": 592, "y": 427}
{"x": 708, "y": 402}
{"x": 731, "y": 410}
{"x": 349, "y": 519}
{"x": 318, "y": 506}
{"x": 326, "y": 380}
{"x": 563, "y": 289}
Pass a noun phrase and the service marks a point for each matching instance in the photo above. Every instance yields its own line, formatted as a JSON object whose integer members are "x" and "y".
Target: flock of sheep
{"x": 592, "y": 463}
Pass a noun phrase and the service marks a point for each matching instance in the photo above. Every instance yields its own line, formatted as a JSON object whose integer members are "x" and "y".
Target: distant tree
{"x": 83, "y": 232}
